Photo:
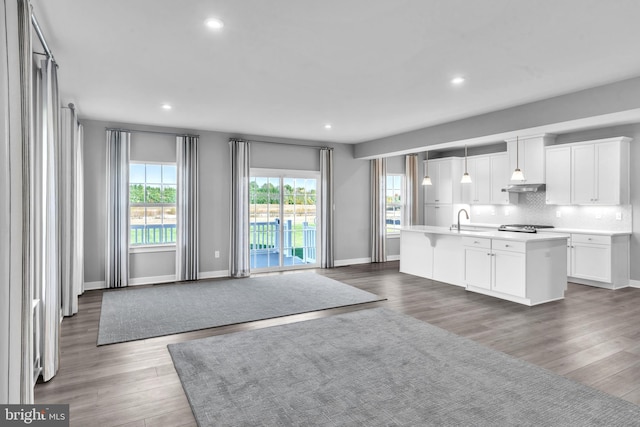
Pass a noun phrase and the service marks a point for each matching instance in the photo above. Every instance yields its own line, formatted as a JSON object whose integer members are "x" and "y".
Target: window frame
{"x": 393, "y": 230}
{"x": 151, "y": 247}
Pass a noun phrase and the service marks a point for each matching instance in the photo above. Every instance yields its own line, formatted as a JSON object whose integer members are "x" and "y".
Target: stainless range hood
{"x": 524, "y": 188}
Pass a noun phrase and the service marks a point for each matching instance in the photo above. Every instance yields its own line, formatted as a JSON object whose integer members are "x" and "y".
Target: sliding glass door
{"x": 283, "y": 219}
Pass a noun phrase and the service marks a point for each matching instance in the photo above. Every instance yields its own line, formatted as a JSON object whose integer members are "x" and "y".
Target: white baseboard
{"x": 213, "y": 274}
{"x": 393, "y": 257}
{"x": 92, "y": 286}
{"x": 152, "y": 280}
{"x": 343, "y": 262}
{"x": 100, "y": 284}
{"x": 634, "y": 283}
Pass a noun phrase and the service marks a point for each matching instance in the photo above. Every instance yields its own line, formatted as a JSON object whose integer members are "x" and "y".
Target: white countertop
{"x": 583, "y": 231}
{"x": 490, "y": 234}
{"x": 559, "y": 230}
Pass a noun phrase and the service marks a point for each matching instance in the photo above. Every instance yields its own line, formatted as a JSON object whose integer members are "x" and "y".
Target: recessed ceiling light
{"x": 166, "y": 106}
{"x": 327, "y": 126}
{"x": 457, "y": 80}
{"x": 214, "y": 23}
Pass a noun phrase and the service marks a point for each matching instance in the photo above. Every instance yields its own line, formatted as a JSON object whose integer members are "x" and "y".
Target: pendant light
{"x": 517, "y": 174}
{"x": 466, "y": 178}
{"x": 426, "y": 180}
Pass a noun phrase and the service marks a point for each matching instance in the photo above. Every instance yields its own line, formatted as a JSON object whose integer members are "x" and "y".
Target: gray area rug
{"x": 133, "y": 314}
{"x": 378, "y": 368}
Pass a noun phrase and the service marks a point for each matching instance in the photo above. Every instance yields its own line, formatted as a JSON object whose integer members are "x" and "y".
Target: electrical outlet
{"x": 506, "y": 212}
{"x": 619, "y": 216}
{"x": 558, "y": 214}
{"x": 493, "y": 211}
{"x": 216, "y": 254}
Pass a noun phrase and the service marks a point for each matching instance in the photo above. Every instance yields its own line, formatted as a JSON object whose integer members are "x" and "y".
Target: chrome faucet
{"x": 465, "y": 213}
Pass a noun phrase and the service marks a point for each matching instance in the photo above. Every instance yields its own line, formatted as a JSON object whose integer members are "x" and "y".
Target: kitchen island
{"x": 527, "y": 268}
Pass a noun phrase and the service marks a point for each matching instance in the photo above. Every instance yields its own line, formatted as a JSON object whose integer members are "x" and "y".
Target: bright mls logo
{"x": 34, "y": 415}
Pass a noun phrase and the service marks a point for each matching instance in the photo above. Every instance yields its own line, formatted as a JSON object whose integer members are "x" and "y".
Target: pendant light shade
{"x": 466, "y": 178}
{"x": 426, "y": 180}
{"x": 517, "y": 174}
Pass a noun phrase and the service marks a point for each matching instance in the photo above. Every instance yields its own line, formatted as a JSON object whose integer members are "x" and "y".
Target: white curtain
{"x": 187, "y": 237}
{"x": 117, "y": 238}
{"x": 378, "y": 210}
{"x": 326, "y": 207}
{"x": 45, "y": 240}
{"x": 70, "y": 202}
{"x": 410, "y": 196}
{"x": 78, "y": 269}
{"x": 16, "y": 148}
{"x": 239, "y": 261}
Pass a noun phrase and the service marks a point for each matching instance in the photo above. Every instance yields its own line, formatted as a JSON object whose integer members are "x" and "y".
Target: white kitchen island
{"x": 527, "y": 268}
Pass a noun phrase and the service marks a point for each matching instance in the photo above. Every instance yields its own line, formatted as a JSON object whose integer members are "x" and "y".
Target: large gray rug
{"x": 378, "y": 368}
{"x": 132, "y": 314}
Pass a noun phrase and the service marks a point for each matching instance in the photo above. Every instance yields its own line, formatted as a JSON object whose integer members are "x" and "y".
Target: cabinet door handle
{"x": 507, "y": 246}
{"x": 488, "y": 253}
{"x": 589, "y": 238}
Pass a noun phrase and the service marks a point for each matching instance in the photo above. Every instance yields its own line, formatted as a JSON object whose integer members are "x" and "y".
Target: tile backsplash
{"x": 532, "y": 209}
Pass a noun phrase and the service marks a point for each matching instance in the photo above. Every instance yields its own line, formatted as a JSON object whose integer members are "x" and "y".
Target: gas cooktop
{"x": 523, "y": 228}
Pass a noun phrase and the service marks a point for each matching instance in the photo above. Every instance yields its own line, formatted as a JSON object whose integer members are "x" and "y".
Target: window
{"x": 394, "y": 203}
{"x": 152, "y": 203}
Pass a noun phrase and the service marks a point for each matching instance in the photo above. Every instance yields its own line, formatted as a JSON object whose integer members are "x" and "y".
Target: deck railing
{"x": 152, "y": 234}
{"x": 265, "y": 238}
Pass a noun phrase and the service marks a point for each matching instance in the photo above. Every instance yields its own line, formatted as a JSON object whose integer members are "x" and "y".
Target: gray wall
{"x": 351, "y": 188}
{"x": 607, "y": 99}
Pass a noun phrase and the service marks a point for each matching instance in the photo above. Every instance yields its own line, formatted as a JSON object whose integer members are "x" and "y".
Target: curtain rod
{"x": 155, "y": 131}
{"x": 318, "y": 147}
{"x": 43, "y": 41}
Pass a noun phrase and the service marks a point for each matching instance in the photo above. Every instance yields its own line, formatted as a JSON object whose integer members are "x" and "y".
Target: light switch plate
{"x": 619, "y": 216}
{"x": 598, "y": 215}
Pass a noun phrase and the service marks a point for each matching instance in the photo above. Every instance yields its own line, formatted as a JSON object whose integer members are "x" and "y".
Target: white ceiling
{"x": 371, "y": 68}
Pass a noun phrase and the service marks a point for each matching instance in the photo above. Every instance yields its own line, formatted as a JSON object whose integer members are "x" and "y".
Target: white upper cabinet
{"x": 583, "y": 174}
{"x": 529, "y": 155}
{"x": 558, "y": 175}
{"x": 445, "y": 175}
{"x": 489, "y": 175}
{"x": 589, "y": 173}
{"x": 500, "y": 176}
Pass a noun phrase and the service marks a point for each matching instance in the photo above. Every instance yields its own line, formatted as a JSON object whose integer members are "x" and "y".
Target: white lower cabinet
{"x": 598, "y": 260}
{"x": 500, "y": 270}
{"x": 508, "y": 273}
{"x": 528, "y": 273}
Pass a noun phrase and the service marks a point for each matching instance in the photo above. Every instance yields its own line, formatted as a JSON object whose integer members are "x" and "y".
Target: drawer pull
{"x": 507, "y": 246}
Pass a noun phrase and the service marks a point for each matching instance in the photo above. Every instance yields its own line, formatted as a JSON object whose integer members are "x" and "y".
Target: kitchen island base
{"x": 528, "y": 269}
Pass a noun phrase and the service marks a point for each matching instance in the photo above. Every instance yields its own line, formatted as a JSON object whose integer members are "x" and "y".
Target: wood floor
{"x": 592, "y": 336}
